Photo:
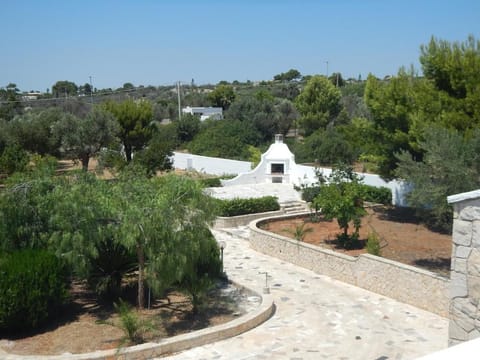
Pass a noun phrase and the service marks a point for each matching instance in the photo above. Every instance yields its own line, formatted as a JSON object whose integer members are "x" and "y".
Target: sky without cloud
{"x": 158, "y": 42}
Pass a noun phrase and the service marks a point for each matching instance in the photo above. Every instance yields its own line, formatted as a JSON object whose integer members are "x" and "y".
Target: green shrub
{"x": 373, "y": 244}
{"x": 13, "y": 159}
{"x": 34, "y": 286}
{"x": 309, "y": 193}
{"x": 133, "y": 326}
{"x": 211, "y": 182}
{"x": 237, "y": 206}
{"x": 380, "y": 195}
{"x": 299, "y": 232}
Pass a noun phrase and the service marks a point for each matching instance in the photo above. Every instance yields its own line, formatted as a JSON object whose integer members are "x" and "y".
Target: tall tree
{"x": 222, "y": 96}
{"x": 287, "y": 116}
{"x": 187, "y": 127}
{"x": 405, "y": 106}
{"x": 64, "y": 88}
{"x": 135, "y": 120}
{"x": 157, "y": 155}
{"x": 34, "y": 130}
{"x": 454, "y": 69}
{"x": 318, "y": 104}
{"x": 10, "y": 104}
{"x": 336, "y": 79}
{"x": 290, "y": 75}
{"x": 392, "y": 106}
{"x": 451, "y": 165}
{"x": 225, "y": 138}
{"x": 83, "y": 138}
{"x": 158, "y": 218}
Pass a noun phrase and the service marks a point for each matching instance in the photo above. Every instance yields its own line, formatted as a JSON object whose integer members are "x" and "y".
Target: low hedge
{"x": 33, "y": 286}
{"x": 238, "y": 206}
{"x": 379, "y": 195}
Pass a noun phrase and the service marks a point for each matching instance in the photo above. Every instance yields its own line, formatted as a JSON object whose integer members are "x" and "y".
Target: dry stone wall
{"x": 465, "y": 271}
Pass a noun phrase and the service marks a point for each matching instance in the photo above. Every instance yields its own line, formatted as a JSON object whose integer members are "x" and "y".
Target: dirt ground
{"x": 402, "y": 237}
{"x": 81, "y": 326}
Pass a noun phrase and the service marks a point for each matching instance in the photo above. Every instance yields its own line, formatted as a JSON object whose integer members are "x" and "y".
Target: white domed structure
{"x": 277, "y": 165}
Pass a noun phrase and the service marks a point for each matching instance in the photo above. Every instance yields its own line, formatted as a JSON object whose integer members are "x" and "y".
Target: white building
{"x": 277, "y": 165}
{"x": 205, "y": 113}
{"x": 33, "y": 95}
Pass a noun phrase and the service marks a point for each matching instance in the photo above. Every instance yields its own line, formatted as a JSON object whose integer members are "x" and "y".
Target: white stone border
{"x": 408, "y": 284}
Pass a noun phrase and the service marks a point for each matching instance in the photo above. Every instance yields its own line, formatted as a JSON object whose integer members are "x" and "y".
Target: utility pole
{"x": 327, "y": 67}
{"x": 178, "y": 95}
{"x": 91, "y": 90}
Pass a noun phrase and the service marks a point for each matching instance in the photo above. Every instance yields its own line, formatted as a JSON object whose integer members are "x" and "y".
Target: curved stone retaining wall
{"x": 242, "y": 220}
{"x": 404, "y": 283}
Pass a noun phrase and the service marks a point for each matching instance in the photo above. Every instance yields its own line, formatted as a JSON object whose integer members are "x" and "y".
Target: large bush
{"x": 34, "y": 285}
{"x": 236, "y": 207}
{"x": 13, "y": 159}
{"x": 380, "y": 195}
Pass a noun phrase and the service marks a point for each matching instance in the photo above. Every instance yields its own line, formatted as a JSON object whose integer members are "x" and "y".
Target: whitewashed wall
{"x": 209, "y": 165}
{"x": 301, "y": 175}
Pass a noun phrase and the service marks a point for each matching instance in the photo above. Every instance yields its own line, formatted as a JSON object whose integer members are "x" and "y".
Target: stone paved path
{"x": 319, "y": 318}
{"x": 284, "y": 192}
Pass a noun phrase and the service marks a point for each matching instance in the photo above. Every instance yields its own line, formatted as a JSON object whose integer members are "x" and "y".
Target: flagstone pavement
{"x": 317, "y": 317}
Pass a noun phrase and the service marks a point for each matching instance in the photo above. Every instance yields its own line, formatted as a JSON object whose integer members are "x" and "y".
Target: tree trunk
{"x": 85, "y": 159}
{"x": 141, "y": 267}
{"x": 128, "y": 153}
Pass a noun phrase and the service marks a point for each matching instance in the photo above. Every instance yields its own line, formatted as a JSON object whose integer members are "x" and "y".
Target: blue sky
{"x": 149, "y": 42}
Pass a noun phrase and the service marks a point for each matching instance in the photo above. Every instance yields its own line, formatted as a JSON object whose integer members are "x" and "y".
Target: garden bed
{"x": 402, "y": 237}
{"x": 82, "y": 326}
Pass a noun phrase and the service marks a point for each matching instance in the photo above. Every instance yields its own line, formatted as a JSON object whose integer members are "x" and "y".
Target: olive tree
{"x": 84, "y": 138}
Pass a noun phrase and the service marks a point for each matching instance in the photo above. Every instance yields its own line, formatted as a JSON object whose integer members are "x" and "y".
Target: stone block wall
{"x": 465, "y": 271}
{"x": 408, "y": 284}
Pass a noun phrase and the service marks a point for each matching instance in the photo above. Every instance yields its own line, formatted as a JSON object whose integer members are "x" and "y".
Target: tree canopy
{"x": 64, "y": 88}
{"x": 342, "y": 199}
{"x": 222, "y": 96}
{"x": 33, "y": 130}
{"x": 290, "y": 75}
{"x": 156, "y": 225}
{"x": 135, "y": 120}
{"x": 404, "y": 107}
{"x": 318, "y": 104}
{"x": 83, "y": 138}
{"x": 451, "y": 165}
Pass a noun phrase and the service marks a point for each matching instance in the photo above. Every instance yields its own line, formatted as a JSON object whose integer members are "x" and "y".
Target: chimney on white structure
{"x": 278, "y": 139}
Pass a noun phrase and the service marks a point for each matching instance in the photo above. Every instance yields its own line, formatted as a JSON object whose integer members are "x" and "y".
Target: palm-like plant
{"x": 299, "y": 232}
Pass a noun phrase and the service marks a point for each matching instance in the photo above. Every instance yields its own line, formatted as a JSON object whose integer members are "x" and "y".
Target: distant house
{"x": 205, "y": 113}
{"x": 33, "y": 95}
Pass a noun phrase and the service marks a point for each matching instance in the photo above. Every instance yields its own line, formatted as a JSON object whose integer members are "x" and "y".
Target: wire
{"x": 94, "y": 95}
